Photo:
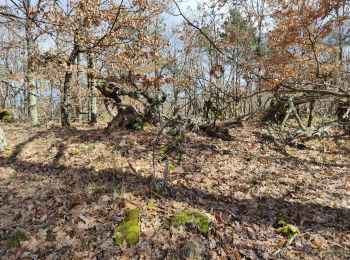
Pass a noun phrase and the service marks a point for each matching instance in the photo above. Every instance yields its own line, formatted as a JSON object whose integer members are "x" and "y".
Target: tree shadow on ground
{"x": 19, "y": 147}
{"x": 119, "y": 139}
{"x": 257, "y": 210}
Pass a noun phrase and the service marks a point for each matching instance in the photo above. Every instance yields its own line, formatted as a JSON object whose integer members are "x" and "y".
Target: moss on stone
{"x": 5, "y": 116}
{"x": 288, "y": 230}
{"x": 15, "y": 239}
{"x": 201, "y": 221}
{"x": 129, "y": 231}
{"x": 285, "y": 229}
{"x": 281, "y": 221}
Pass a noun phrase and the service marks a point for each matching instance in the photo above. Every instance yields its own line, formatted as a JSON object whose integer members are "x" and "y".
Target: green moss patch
{"x": 288, "y": 230}
{"x": 5, "y": 116}
{"x": 199, "y": 220}
{"x": 74, "y": 153}
{"x": 138, "y": 125}
{"x": 129, "y": 231}
{"x": 164, "y": 149}
{"x": 285, "y": 229}
{"x": 9, "y": 153}
{"x": 15, "y": 239}
{"x": 151, "y": 206}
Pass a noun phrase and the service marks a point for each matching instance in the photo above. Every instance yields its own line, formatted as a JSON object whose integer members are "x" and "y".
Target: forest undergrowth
{"x": 64, "y": 191}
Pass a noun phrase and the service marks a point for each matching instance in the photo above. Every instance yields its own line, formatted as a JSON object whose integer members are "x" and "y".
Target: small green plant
{"x": 74, "y": 153}
{"x": 200, "y": 221}
{"x": 285, "y": 229}
{"x": 151, "y": 206}
{"x": 179, "y": 139}
{"x": 170, "y": 146}
{"x": 164, "y": 149}
{"x": 105, "y": 118}
{"x": 138, "y": 125}
{"x": 15, "y": 239}
{"x": 146, "y": 125}
{"x": 172, "y": 167}
{"x": 8, "y": 153}
{"x": 13, "y": 175}
{"x": 129, "y": 231}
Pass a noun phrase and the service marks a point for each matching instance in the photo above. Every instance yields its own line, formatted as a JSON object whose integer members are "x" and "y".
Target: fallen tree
{"x": 285, "y": 108}
{"x": 127, "y": 115}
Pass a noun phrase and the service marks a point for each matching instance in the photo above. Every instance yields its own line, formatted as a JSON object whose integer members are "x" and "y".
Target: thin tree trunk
{"x": 7, "y": 87}
{"x": 52, "y": 103}
{"x": 311, "y": 110}
{"x": 78, "y": 106}
{"x": 92, "y": 93}
{"x": 32, "y": 99}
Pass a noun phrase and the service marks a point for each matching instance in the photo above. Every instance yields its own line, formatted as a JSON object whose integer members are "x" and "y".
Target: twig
{"x": 212, "y": 43}
{"x": 132, "y": 168}
{"x": 157, "y": 194}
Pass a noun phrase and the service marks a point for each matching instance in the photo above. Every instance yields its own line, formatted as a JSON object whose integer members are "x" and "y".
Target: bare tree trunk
{"x": 66, "y": 106}
{"x": 6, "y": 94}
{"x": 32, "y": 99}
{"x": 92, "y": 93}
{"x": 78, "y": 105}
{"x": 52, "y": 103}
{"x": 311, "y": 110}
{"x": 93, "y": 104}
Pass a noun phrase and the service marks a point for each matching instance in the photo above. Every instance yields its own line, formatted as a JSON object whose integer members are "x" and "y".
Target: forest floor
{"x": 62, "y": 192}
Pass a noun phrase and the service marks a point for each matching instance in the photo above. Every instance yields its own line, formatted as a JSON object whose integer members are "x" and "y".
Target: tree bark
{"x": 66, "y": 106}
{"x": 32, "y": 104}
{"x": 92, "y": 93}
{"x": 311, "y": 110}
{"x": 78, "y": 103}
{"x": 32, "y": 99}
{"x": 3, "y": 142}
